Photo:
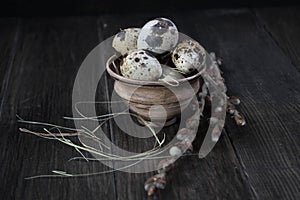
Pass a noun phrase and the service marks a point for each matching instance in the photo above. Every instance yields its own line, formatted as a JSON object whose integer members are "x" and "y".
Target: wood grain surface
{"x": 39, "y": 59}
{"x": 287, "y": 36}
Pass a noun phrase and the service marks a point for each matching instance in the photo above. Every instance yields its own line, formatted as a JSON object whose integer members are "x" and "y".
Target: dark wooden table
{"x": 39, "y": 59}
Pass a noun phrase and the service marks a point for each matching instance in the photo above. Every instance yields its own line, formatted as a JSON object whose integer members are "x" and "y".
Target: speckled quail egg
{"x": 188, "y": 56}
{"x": 126, "y": 40}
{"x": 158, "y": 36}
{"x": 140, "y": 65}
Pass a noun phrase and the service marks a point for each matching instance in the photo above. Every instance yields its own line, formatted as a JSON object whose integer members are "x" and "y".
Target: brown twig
{"x": 232, "y": 110}
{"x": 185, "y": 139}
{"x": 158, "y": 181}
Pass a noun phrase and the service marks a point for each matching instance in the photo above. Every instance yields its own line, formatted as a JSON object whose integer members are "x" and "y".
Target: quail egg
{"x": 140, "y": 65}
{"x": 126, "y": 40}
{"x": 158, "y": 36}
{"x": 188, "y": 56}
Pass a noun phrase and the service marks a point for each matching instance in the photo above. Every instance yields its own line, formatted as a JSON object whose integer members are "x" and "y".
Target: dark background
{"x": 94, "y": 7}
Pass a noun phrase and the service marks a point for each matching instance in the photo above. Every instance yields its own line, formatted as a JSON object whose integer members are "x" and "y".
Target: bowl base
{"x": 157, "y": 124}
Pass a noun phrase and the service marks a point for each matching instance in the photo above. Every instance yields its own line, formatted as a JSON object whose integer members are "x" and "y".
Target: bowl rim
{"x": 139, "y": 82}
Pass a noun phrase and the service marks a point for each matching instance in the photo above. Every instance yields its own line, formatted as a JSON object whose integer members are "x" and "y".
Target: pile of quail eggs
{"x": 145, "y": 50}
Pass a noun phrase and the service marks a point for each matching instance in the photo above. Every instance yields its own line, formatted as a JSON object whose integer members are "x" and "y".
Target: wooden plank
{"x": 257, "y": 71}
{"x": 8, "y": 40}
{"x": 219, "y": 175}
{"x": 266, "y": 165}
{"x": 8, "y": 37}
{"x": 48, "y": 56}
{"x": 283, "y": 26}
